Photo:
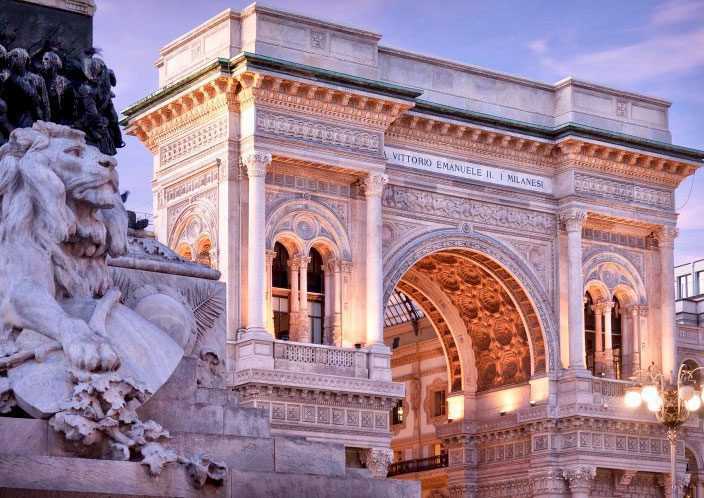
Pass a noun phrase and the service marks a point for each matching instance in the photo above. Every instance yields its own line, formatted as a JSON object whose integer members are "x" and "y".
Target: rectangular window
{"x": 437, "y": 449}
{"x": 700, "y": 282}
{"x": 683, "y": 285}
{"x": 439, "y": 404}
{"x": 281, "y": 316}
{"x": 315, "y": 313}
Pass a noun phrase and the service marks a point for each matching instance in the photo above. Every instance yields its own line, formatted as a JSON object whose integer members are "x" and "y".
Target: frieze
{"x": 410, "y": 200}
{"x": 194, "y": 141}
{"x": 318, "y": 132}
{"x": 309, "y": 184}
{"x": 626, "y": 192}
{"x": 622, "y": 239}
{"x": 194, "y": 183}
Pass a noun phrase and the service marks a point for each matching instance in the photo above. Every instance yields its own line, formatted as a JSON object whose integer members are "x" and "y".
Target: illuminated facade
{"x": 431, "y": 263}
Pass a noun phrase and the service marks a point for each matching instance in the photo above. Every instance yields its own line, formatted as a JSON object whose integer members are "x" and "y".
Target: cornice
{"x": 535, "y": 154}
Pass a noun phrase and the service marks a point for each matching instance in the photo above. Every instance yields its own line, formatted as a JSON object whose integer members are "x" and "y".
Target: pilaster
{"x": 666, "y": 239}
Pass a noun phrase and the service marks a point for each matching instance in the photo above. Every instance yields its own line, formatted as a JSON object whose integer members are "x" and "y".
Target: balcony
{"x": 418, "y": 465}
{"x": 340, "y": 394}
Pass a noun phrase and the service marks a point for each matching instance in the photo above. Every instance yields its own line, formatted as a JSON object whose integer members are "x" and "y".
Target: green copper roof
{"x": 255, "y": 61}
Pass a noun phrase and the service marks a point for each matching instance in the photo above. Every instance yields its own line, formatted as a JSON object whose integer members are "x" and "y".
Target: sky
{"x": 655, "y": 47}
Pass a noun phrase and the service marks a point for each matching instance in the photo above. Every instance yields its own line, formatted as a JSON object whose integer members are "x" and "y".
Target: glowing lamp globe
{"x": 686, "y": 392}
{"x": 632, "y": 399}
{"x": 693, "y": 404}
{"x": 654, "y": 405}
{"x": 649, "y": 393}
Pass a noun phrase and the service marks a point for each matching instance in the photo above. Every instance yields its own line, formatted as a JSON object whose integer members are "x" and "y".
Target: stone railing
{"x": 610, "y": 388}
{"x": 296, "y": 356}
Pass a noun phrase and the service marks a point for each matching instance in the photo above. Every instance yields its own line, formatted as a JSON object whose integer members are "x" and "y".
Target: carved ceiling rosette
{"x": 495, "y": 325}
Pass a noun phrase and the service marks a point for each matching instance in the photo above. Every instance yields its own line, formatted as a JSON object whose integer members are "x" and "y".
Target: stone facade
{"x": 530, "y": 226}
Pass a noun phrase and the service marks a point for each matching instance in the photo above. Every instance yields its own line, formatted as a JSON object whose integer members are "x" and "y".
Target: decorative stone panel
{"x": 415, "y": 201}
{"x": 317, "y": 132}
{"x": 193, "y": 142}
{"x": 621, "y": 191}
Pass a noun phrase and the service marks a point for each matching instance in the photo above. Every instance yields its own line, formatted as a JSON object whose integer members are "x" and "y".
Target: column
{"x": 666, "y": 241}
{"x": 608, "y": 340}
{"x": 256, "y": 164}
{"x": 373, "y": 190}
{"x": 580, "y": 479}
{"x": 337, "y": 306}
{"x": 642, "y": 337}
{"x": 332, "y": 303}
{"x": 294, "y": 304}
{"x": 303, "y": 321}
{"x": 573, "y": 219}
{"x": 270, "y": 255}
{"x": 635, "y": 339}
{"x": 599, "y": 356}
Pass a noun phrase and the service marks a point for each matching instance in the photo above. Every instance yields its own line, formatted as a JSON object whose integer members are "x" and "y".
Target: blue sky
{"x": 648, "y": 46}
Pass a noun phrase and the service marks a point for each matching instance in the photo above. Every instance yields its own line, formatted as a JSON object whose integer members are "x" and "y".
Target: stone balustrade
{"x": 317, "y": 358}
{"x": 338, "y": 394}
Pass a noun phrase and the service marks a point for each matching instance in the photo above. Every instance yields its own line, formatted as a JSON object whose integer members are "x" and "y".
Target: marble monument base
{"x": 35, "y": 461}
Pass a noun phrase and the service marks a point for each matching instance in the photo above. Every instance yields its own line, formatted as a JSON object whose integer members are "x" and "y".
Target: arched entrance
{"x": 472, "y": 332}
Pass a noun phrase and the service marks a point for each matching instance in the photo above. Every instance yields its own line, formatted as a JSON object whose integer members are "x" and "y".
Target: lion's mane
{"x": 37, "y": 210}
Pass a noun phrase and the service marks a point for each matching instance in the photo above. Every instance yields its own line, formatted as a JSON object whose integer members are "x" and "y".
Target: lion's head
{"x": 62, "y": 195}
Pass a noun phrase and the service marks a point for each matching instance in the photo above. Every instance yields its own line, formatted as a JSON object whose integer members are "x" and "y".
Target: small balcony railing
{"x": 418, "y": 465}
{"x": 317, "y": 358}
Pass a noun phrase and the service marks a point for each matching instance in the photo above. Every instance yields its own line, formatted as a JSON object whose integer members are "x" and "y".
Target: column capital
{"x": 270, "y": 255}
{"x": 332, "y": 265}
{"x": 580, "y": 477}
{"x": 667, "y": 236}
{"x": 374, "y": 183}
{"x": 256, "y": 162}
{"x": 573, "y": 219}
{"x": 346, "y": 266}
{"x": 599, "y": 307}
{"x": 294, "y": 264}
{"x": 377, "y": 461}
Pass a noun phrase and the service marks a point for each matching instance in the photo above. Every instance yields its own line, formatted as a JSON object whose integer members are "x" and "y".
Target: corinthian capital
{"x": 580, "y": 477}
{"x": 573, "y": 218}
{"x": 256, "y": 163}
{"x": 374, "y": 184}
{"x": 667, "y": 236}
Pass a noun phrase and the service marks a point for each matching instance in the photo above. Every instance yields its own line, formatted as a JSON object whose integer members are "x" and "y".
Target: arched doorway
{"x": 461, "y": 327}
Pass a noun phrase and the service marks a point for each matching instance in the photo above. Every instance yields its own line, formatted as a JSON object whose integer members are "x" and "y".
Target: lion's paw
{"x": 88, "y": 351}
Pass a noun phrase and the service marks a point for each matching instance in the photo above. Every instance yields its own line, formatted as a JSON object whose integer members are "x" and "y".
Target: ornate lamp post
{"x": 671, "y": 403}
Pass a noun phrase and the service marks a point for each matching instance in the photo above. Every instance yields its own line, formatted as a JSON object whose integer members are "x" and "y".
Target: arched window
{"x": 316, "y": 296}
{"x": 590, "y": 332}
{"x": 617, "y": 337}
{"x": 280, "y": 284}
{"x": 279, "y": 271}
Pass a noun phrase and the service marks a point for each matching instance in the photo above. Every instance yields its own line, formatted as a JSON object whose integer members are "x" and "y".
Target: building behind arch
{"x": 451, "y": 273}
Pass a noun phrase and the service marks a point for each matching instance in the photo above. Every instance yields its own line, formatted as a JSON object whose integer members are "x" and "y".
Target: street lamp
{"x": 671, "y": 404}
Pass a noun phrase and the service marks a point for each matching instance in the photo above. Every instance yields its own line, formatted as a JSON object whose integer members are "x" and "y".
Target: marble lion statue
{"x": 60, "y": 217}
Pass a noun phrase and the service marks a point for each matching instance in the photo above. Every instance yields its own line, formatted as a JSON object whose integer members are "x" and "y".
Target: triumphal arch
{"x": 451, "y": 271}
